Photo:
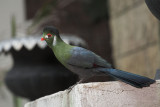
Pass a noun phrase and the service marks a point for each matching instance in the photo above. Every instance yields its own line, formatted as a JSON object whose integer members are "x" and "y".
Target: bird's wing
{"x": 84, "y": 58}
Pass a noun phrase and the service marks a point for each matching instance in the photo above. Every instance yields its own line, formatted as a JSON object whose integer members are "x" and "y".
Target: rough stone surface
{"x": 135, "y": 29}
{"x": 135, "y": 38}
{"x": 105, "y": 94}
{"x": 145, "y": 62}
{"x": 120, "y": 7}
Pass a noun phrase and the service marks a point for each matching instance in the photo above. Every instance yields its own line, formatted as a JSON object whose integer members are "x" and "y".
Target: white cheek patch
{"x": 46, "y": 36}
{"x": 54, "y": 40}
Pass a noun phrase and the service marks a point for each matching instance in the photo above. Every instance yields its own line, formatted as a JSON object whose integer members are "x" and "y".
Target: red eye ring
{"x": 49, "y": 35}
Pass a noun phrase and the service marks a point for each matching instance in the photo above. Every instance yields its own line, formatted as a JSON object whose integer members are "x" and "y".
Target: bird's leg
{"x": 80, "y": 81}
{"x": 70, "y": 88}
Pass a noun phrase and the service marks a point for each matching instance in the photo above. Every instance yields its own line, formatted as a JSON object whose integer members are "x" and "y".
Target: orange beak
{"x": 42, "y": 39}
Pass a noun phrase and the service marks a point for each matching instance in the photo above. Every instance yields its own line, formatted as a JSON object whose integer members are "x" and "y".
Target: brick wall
{"x": 135, "y": 34}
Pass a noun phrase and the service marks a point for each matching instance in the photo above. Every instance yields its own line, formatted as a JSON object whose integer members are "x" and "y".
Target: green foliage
{"x": 45, "y": 11}
{"x": 0, "y": 83}
{"x": 13, "y": 26}
{"x": 16, "y": 101}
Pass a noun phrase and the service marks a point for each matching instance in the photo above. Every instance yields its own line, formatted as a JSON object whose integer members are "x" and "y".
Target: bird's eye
{"x": 49, "y": 35}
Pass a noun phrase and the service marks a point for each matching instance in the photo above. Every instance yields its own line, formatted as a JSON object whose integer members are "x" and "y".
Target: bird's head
{"x": 50, "y": 34}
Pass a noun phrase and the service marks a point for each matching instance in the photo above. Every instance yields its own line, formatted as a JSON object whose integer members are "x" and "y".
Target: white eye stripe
{"x": 46, "y": 36}
{"x": 54, "y": 41}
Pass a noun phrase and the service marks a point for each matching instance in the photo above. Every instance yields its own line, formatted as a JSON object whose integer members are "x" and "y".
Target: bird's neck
{"x": 61, "y": 50}
{"x": 58, "y": 44}
{"x": 55, "y": 42}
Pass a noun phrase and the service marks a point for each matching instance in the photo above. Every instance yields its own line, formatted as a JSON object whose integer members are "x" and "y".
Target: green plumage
{"x": 60, "y": 48}
{"x": 62, "y": 52}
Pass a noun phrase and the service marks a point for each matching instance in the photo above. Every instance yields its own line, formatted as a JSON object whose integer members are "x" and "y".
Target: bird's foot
{"x": 71, "y": 87}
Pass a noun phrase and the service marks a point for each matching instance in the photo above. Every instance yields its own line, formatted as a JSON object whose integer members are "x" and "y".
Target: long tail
{"x": 129, "y": 78}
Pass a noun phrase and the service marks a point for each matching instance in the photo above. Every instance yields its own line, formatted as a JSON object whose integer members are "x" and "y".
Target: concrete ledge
{"x": 103, "y": 94}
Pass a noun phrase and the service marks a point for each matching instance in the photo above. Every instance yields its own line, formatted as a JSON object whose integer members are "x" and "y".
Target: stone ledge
{"x": 102, "y": 94}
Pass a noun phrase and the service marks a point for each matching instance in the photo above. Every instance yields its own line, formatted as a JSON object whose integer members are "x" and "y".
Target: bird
{"x": 86, "y": 63}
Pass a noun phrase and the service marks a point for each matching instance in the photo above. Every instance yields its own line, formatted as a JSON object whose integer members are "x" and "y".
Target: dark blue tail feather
{"x": 129, "y": 78}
